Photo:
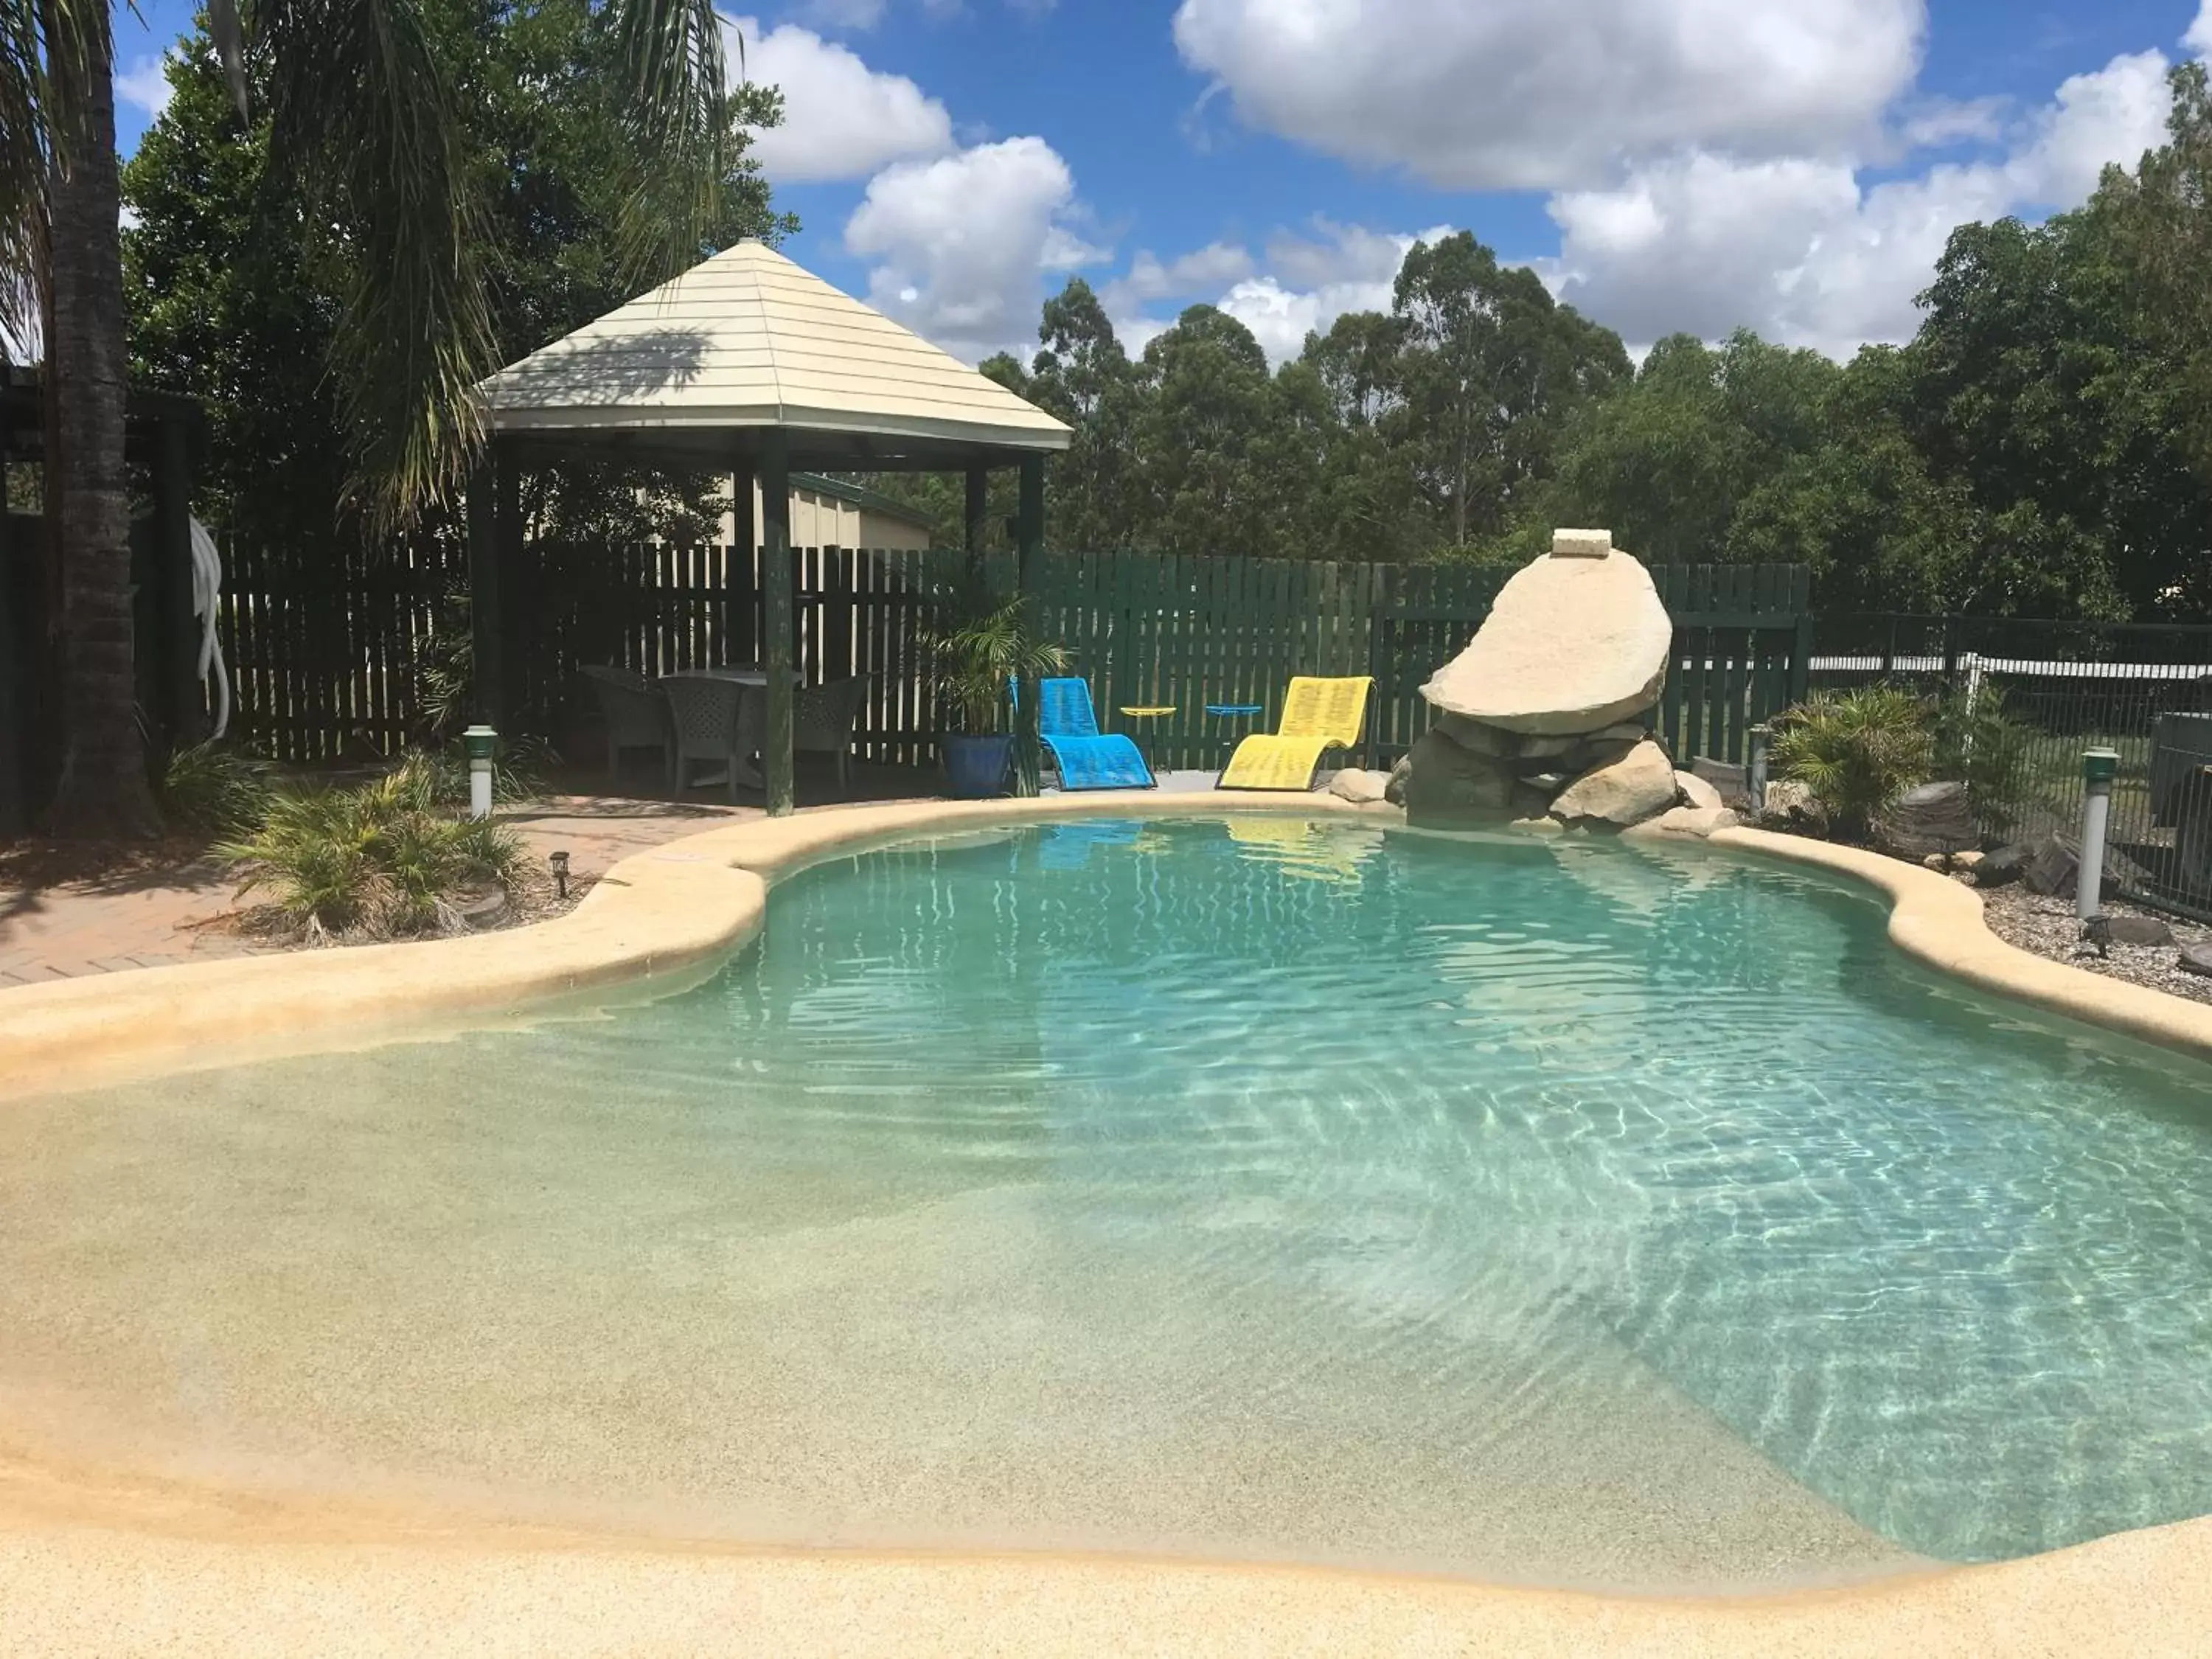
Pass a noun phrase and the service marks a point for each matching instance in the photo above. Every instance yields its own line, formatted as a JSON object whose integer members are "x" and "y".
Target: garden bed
{"x": 2048, "y": 927}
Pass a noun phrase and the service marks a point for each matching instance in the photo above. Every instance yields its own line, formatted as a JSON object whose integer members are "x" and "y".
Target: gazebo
{"x": 750, "y": 364}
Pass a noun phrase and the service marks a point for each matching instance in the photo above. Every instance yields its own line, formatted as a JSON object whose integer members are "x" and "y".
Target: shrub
{"x": 1983, "y": 743}
{"x": 1856, "y": 752}
{"x": 515, "y": 774}
{"x": 984, "y": 640}
{"x": 382, "y": 859}
{"x": 209, "y": 789}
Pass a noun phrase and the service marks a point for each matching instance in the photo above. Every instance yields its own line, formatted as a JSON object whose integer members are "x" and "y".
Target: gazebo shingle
{"x": 749, "y": 339}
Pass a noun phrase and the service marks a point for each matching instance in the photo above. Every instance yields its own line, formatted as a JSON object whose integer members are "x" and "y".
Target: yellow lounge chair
{"x": 1317, "y": 715}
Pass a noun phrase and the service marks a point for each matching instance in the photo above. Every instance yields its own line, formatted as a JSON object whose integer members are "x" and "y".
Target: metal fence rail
{"x": 2034, "y": 695}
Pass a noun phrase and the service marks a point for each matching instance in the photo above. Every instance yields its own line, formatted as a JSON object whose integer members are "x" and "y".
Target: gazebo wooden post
{"x": 513, "y": 584}
{"x": 485, "y": 617}
{"x": 13, "y": 809}
{"x": 1028, "y": 578}
{"x": 776, "y": 592}
{"x": 741, "y": 579}
{"x": 979, "y": 508}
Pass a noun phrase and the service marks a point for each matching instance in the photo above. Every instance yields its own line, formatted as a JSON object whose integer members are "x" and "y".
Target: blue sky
{"x": 1791, "y": 166}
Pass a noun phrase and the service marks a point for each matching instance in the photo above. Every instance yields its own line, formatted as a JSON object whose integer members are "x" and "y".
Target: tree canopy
{"x": 236, "y": 289}
{"x": 2042, "y": 448}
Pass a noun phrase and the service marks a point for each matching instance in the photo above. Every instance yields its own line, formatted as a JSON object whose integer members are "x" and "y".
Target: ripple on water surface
{"x": 1572, "y": 1212}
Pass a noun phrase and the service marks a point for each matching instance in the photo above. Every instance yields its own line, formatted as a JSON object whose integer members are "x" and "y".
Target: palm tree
{"x": 363, "y": 116}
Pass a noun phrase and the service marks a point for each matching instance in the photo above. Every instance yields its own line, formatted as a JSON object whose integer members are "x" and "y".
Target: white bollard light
{"x": 480, "y": 741}
{"x": 2099, "y": 768}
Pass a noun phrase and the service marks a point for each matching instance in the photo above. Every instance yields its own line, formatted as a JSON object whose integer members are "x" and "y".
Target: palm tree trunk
{"x": 103, "y": 789}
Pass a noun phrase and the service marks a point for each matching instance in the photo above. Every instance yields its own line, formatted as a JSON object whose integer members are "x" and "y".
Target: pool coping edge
{"x": 1940, "y": 922}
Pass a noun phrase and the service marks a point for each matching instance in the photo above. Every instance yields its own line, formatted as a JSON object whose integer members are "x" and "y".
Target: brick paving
{"x": 186, "y": 909}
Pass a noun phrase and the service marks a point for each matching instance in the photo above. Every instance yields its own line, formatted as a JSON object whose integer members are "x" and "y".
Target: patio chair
{"x": 636, "y": 716}
{"x": 1068, "y": 727}
{"x": 1318, "y": 715}
{"x": 707, "y": 716}
{"x": 823, "y": 718}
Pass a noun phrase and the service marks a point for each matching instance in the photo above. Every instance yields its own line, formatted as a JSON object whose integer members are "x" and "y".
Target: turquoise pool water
{"x": 1572, "y": 1213}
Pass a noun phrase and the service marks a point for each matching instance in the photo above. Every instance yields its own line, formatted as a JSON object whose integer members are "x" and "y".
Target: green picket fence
{"x": 1743, "y": 642}
{"x": 322, "y": 659}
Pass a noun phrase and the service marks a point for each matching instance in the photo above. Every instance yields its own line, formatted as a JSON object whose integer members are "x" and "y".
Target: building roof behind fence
{"x": 748, "y": 341}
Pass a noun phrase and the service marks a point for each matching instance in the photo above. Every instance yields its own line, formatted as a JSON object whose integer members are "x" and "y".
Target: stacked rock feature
{"x": 1538, "y": 721}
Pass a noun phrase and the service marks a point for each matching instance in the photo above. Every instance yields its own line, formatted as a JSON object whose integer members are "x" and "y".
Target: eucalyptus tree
{"x": 1490, "y": 366}
{"x": 1082, "y": 374}
{"x": 365, "y": 124}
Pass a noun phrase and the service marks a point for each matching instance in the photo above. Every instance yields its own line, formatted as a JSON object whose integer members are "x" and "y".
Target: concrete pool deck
{"x": 106, "y": 1562}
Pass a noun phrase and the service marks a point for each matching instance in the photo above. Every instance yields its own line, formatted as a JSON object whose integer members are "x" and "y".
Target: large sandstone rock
{"x": 1575, "y": 643}
{"x": 1445, "y": 782}
{"x": 1360, "y": 787}
{"x": 1476, "y": 737}
{"x": 1395, "y": 792}
{"x": 1640, "y": 785}
{"x": 1936, "y": 818}
{"x": 1698, "y": 821}
{"x": 1698, "y": 793}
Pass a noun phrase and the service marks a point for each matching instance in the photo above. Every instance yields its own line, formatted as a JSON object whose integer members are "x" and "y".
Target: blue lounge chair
{"x": 1086, "y": 760}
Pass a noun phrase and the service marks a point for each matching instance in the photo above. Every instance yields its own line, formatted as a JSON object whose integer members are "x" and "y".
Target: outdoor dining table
{"x": 753, "y": 679}
{"x": 756, "y": 678}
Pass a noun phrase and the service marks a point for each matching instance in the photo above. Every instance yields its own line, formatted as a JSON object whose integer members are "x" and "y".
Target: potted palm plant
{"x": 984, "y": 641}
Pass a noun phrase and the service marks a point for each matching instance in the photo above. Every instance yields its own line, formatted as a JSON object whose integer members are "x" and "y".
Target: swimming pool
{"x": 1579, "y": 1213}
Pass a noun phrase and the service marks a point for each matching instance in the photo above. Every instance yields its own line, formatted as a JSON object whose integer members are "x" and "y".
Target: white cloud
{"x": 1207, "y": 270}
{"x": 2113, "y": 114}
{"x": 1555, "y": 93}
{"x": 1281, "y": 318}
{"x": 1802, "y": 251}
{"x": 1303, "y": 284}
{"x": 1310, "y": 282}
{"x": 842, "y": 119}
{"x": 1934, "y": 123}
{"x": 2199, "y": 38}
{"x": 145, "y": 85}
{"x": 1805, "y": 249}
{"x": 960, "y": 245}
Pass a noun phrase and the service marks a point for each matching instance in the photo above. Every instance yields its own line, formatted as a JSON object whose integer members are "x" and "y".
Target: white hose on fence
{"x": 207, "y": 597}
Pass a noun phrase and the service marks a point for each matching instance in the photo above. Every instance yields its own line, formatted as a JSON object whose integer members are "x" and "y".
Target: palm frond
{"x": 363, "y": 117}
{"x": 676, "y": 111}
{"x": 33, "y": 35}
{"x": 982, "y": 640}
{"x": 1856, "y": 752}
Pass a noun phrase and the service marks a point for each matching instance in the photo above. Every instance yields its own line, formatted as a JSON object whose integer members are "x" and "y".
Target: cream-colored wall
{"x": 819, "y": 521}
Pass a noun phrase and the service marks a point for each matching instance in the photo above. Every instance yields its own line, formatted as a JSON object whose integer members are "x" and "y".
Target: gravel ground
{"x": 2048, "y": 927}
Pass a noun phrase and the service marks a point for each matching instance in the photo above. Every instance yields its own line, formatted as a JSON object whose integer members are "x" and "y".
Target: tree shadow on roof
{"x": 602, "y": 372}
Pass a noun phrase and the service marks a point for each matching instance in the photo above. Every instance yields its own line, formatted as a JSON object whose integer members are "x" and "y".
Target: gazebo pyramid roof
{"x": 746, "y": 342}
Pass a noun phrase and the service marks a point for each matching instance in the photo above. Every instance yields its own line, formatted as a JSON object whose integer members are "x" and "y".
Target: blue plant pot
{"x": 975, "y": 769}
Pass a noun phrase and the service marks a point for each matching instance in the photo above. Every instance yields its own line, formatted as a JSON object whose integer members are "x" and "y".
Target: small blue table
{"x": 1226, "y": 712}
